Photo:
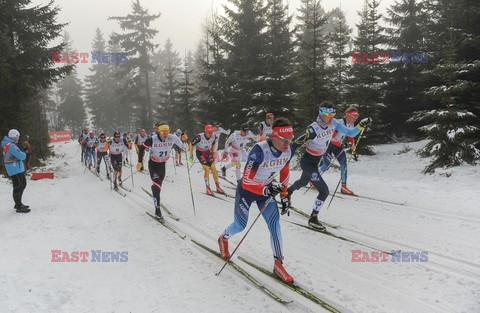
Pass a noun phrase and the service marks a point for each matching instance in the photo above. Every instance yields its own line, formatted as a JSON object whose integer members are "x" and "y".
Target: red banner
{"x": 63, "y": 135}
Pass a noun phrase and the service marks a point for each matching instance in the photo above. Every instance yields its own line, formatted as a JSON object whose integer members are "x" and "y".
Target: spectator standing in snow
{"x": 13, "y": 158}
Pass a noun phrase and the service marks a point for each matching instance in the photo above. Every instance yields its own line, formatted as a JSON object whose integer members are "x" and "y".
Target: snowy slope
{"x": 77, "y": 212}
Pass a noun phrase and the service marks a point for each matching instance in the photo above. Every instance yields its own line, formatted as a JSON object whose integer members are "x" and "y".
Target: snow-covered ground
{"x": 437, "y": 213}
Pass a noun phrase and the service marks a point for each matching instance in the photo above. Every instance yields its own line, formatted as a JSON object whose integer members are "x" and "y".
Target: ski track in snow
{"x": 78, "y": 212}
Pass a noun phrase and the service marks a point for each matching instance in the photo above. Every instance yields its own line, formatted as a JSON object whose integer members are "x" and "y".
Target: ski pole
{"x": 190, "y": 182}
{"x": 123, "y": 180}
{"x": 248, "y": 230}
{"x": 107, "y": 162}
{"x": 348, "y": 162}
{"x": 310, "y": 187}
{"x": 131, "y": 171}
{"x": 173, "y": 161}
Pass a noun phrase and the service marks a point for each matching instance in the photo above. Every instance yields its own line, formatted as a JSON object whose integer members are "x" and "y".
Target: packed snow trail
{"x": 78, "y": 212}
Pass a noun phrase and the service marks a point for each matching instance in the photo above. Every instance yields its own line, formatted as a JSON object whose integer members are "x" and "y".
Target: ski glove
{"x": 274, "y": 189}
{"x": 366, "y": 122}
{"x": 286, "y": 203}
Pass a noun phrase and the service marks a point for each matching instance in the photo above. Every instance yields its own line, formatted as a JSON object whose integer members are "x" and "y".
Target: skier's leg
{"x": 322, "y": 189}
{"x": 272, "y": 218}
{"x": 243, "y": 201}
{"x": 342, "y": 159}
{"x": 214, "y": 173}
{"x": 308, "y": 165}
{"x": 206, "y": 174}
{"x": 157, "y": 174}
{"x": 238, "y": 172}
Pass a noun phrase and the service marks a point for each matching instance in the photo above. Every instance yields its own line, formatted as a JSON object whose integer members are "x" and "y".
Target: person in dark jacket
{"x": 13, "y": 158}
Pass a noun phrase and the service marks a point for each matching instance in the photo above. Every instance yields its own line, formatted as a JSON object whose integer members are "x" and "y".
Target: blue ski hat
{"x": 179, "y": 131}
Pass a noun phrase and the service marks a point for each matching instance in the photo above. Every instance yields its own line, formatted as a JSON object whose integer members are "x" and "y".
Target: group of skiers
{"x": 322, "y": 138}
{"x": 273, "y": 148}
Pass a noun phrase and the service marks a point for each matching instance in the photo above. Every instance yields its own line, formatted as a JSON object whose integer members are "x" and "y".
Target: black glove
{"x": 365, "y": 122}
{"x": 286, "y": 203}
{"x": 274, "y": 189}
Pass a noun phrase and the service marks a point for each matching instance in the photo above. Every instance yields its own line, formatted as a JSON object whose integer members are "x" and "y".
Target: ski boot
{"x": 158, "y": 214}
{"x": 209, "y": 191}
{"x": 224, "y": 171}
{"x": 346, "y": 191}
{"x": 281, "y": 273}
{"x": 223, "y": 247}
{"x": 22, "y": 208}
{"x": 219, "y": 189}
{"x": 115, "y": 186}
{"x": 315, "y": 223}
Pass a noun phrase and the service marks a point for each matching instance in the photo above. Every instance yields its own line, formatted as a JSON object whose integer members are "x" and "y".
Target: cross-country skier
{"x": 128, "y": 140}
{"x": 90, "y": 144}
{"x": 178, "y": 152}
{"x": 265, "y": 128}
{"x": 139, "y": 148}
{"x": 235, "y": 149}
{"x": 117, "y": 147}
{"x": 335, "y": 148}
{"x": 218, "y": 130}
{"x": 160, "y": 146}
{"x": 265, "y": 160}
{"x": 81, "y": 140}
{"x": 205, "y": 147}
{"x": 102, "y": 152}
{"x": 316, "y": 139}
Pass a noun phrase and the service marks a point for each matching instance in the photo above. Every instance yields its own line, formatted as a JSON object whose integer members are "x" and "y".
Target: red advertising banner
{"x": 63, "y": 135}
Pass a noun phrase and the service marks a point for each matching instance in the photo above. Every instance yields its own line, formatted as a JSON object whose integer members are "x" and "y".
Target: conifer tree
{"x": 70, "y": 89}
{"x": 451, "y": 123}
{"x": 26, "y": 67}
{"x": 340, "y": 54}
{"x": 137, "y": 41}
{"x": 279, "y": 54}
{"x": 169, "y": 96}
{"x": 244, "y": 44}
{"x": 311, "y": 69}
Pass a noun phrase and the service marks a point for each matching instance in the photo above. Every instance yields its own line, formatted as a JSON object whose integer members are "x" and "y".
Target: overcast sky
{"x": 180, "y": 20}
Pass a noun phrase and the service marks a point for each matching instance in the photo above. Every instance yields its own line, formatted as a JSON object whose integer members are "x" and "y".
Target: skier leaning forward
{"x": 102, "y": 154}
{"x": 117, "y": 147}
{"x": 161, "y": 144}
{"x": 316, "y": 139}
{"x": 205, "y": 148}
{"x": 265, "y": 160}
